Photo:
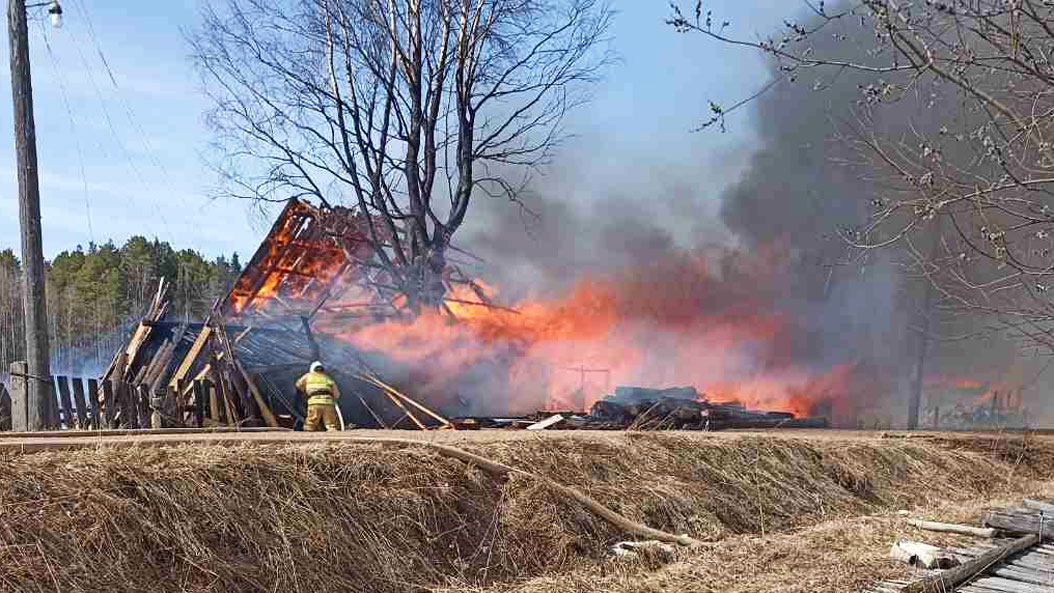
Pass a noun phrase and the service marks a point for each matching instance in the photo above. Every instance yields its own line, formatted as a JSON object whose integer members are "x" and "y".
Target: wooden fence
{"x": 89, "y": 404}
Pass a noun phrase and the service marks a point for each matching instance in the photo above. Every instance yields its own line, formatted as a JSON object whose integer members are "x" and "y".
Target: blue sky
{"x": 123, "y": 148}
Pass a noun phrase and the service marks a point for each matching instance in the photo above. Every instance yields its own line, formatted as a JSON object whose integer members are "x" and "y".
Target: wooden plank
{"x": 131, "y": 352}
{"x": 1002, "y": 584}
{"x": 974, "y": 588}
{"x": 120, "y": 412}
{"x": 5, "y": 408}
{"x": 66, "y": 404}
{"x": 95, "y": 413}
{"x": 1039, "y": 505}
{"x": 222, "y": 393}
{"x": 199, "y": 403}
{"x": 162, "y": 362}
{"x": 395, "y": 400}
{"x": 202, "y": 375}
{"x": 947, "y": 580}
{"x": 393, "y": 391}
{"x": 214, "y": 402}
{"x": 380, "y": 421}
{"x": 264, "y": 409}
{"x": 78, "y": 401}
{"x": 228, "y": 404}
{"x": 550, "y": 421}
{"x": 174, "y": 405}
{"x": 192, "y": 355}
{"x": 951, "y": 528}
{"x": 1026, "y": 576}
{"x": 109, "y": 404}
{"x": 19, "y": 399}
{"x": 145, "y": 407}
{"x": 52, "y": 404}
{"x": 1045, "y": 548}
{"x": 1031, "y": 562}
{"x": 1038, "y": 556}
{"x": 129, "y": 406}
{"x": 232, "y": 392}
{"x": 115, "y": 404}
{"x": 118, "y": 368}
{"x": 1020, "y": 523}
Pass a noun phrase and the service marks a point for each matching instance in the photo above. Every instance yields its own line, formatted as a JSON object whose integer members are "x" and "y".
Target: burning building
{"x": 316, "y": 290}
{"x": 314, "y": 263}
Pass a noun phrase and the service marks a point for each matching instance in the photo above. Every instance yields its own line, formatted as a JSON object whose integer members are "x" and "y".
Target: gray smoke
{"x": 793, "y": 196}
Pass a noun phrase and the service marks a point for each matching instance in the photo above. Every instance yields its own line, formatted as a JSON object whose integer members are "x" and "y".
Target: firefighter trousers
{"x": 319, "y": 414}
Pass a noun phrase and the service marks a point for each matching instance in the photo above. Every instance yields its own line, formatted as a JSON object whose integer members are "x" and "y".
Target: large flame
{"x": 671, "y": 324}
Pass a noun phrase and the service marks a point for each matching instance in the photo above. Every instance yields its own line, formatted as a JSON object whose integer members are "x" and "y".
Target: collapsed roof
{"x": 258, "y": 338}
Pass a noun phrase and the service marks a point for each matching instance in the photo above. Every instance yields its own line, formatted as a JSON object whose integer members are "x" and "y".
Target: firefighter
{"x": 322, "y": 394}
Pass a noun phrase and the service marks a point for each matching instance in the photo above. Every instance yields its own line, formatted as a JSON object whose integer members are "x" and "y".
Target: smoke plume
{"x": 765, "y": 248}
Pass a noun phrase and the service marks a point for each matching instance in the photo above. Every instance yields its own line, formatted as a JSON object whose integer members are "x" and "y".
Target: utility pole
{"x": 37, "y": 350}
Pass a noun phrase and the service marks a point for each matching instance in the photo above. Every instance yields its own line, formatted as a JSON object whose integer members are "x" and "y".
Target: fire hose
{"x": 500, "y": 469}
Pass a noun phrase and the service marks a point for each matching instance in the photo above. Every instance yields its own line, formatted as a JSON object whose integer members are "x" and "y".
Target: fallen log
{"x": 500, "y": 469}
{"x": 949, "y": 579}
{"x": 952, "y": 528}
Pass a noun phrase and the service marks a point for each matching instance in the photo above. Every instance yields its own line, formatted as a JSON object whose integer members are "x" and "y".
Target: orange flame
{"x": 675, "y": 328}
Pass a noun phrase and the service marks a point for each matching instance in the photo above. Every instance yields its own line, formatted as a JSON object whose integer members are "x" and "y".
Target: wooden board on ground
{"x": 1044, "y": 507}
{"x": 949, "y": 579}
{"x": 1018, "y": 522}
{"x": 952, "y": 528}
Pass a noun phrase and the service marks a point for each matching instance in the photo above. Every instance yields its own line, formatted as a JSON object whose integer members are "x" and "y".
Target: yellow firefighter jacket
{"x": 319, "y": 389}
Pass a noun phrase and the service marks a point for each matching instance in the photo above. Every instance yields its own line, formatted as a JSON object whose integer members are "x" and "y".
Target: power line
{"x": 73, "y": 127}
{"x": 129, "y": 112}
{"x": 113, "y": 131}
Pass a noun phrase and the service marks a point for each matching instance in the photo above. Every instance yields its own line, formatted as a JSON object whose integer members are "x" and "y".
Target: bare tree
{"x": 971, "y": 162}
{"x": 404, "y": 110}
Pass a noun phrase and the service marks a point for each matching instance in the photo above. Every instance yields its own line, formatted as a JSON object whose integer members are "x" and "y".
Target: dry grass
{"x": 835, "y": 556}
{"x": 343, "y": 517}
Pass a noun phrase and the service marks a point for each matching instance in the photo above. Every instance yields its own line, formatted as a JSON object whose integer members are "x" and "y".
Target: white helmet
{"x": 316, "y": 367}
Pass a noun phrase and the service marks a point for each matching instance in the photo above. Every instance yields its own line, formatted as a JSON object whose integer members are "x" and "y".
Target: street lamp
{"x": 54, "y": 11}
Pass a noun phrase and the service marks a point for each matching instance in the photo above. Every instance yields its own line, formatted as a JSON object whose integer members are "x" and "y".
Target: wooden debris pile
{"x": 1015, "y": 556}
{"x": 240, "y": 364}
{"x": 641, "y": 408}
{"x": 685, "y": 408}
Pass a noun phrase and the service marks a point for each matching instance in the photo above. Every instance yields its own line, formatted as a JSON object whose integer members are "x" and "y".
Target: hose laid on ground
{"x": 500, "y": 469}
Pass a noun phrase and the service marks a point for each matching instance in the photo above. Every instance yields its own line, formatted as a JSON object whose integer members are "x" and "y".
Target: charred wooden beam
{"x": 265, "y": 410}
{"x": 315, "y": 352}
{"x": 395, "y": 393}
